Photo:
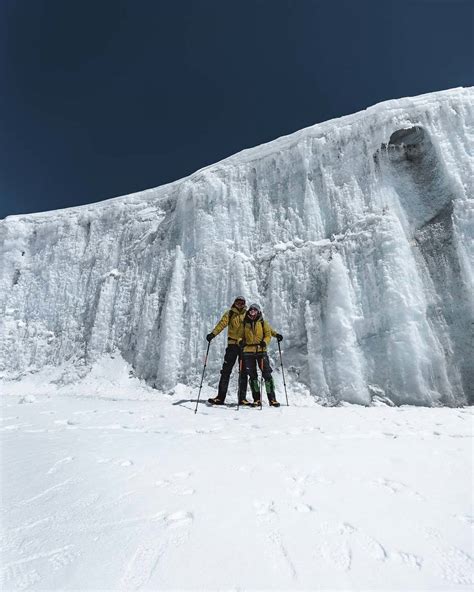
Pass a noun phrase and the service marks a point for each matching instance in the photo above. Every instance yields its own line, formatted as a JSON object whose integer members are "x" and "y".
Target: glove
{"x": 279, "y": 337}
{"x": 242, "y": 343}
{"x": 210, "y": 337}
{"x": 262, "y": 344}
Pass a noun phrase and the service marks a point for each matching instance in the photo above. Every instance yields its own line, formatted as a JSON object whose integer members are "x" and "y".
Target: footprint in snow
{"x": 150, "y": 552}
{"x": 467, "y": 518}
{"x": 62, "y": 558}
{"x": 456, "y": 566}
{"x": 162, "y": 483}
{"x": 341, "y": 544}
{"x": 298, "y": 483}
{"x": 337, "y": 553}
{"x": 263, "y": 508}
{"x": 174, "y": 481}
{"x": 27, "y": 399}
{"x": 268, "y": 520}
{"x": 396, "y": 488}
{"x": 179, "y": 519}
{"x": 432, "y": 533}
{"x": 303, "y": 508}
{"x": 57, "y": 464}
{"x": 15, "y": 426}
{"x": 125, "y": 463}
{"x": 143, "y": 564}
{"x": 121, "y": 462}
{"x": 245, "y": 469}
{"x": 181, "y": 475}
{"x": 409, "y": 559}
{"x": 21, "y": 577}
{"x": 66, "y": 422}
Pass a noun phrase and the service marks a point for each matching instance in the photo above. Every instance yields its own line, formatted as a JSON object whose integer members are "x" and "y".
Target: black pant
{"x": 251, "y": 361}
{"x": 232, "y": 353}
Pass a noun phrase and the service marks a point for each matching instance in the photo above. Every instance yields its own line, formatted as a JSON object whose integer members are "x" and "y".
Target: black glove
{"x": 242, "y": 343}
{"x": 210, "y": 337}
{"x": 279, "y": 337}
{"x": 262, "y": 344}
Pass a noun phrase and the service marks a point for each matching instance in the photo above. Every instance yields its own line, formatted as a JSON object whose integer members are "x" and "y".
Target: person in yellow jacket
{"x": 232, "y": 319}
{"x": 256, "y": 334}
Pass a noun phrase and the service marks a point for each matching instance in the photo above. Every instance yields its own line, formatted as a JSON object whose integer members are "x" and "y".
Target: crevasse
{"x": 355, "y": 235}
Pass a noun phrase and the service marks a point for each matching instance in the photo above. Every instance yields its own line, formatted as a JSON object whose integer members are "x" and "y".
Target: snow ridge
{"x": 356, "y": 236}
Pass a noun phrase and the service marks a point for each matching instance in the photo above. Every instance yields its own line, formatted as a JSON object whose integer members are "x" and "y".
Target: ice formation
{"x": 355, "y": 235}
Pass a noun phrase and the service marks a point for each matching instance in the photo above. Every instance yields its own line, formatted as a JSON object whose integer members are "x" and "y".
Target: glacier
{"x": 355, "y": 235}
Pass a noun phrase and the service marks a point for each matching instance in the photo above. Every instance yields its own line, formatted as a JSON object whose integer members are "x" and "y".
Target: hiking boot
{"x": 245, "y": 403}
{"x": 256, "y": 403}
{"x": 216, "y": 401}
{"x": 273, "y": 403}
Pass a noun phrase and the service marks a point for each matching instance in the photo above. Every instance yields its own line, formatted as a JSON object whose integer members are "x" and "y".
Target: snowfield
{"x": 110, "y": 485}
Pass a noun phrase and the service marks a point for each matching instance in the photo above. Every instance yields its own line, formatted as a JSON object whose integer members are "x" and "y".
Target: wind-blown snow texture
{"x": 356, "y": 236}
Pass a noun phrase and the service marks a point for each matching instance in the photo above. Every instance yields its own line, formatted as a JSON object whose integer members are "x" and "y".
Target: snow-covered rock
{"x": 355, "y": 235}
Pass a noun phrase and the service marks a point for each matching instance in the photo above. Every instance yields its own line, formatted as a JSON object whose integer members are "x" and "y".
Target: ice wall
{"x": 356, "y": 236}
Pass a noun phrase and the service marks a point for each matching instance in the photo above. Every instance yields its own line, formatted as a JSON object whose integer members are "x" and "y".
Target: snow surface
{"x": 108, "y": 486}
{"x": 355, "y": 235}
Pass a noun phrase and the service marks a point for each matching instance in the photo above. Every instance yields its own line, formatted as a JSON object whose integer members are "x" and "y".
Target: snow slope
{"x": 356, "y": 236}
{"x": 101, "y": 492}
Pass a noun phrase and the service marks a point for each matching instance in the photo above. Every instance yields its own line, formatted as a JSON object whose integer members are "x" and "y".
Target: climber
{"x": 256, "y": 334}
{"x": 232, "y": 319}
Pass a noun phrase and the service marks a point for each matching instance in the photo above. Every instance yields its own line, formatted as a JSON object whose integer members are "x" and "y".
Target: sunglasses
{"x": 241, "y": 302}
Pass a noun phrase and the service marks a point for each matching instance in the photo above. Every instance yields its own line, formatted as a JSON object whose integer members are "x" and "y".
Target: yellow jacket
{"x": 253, "y": 333}
{"x": 236, "y": 317}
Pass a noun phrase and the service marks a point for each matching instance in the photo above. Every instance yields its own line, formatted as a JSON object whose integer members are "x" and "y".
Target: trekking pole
{"x": 202, "y": 377}
{"x": 241, "y": 345}
{"x": 238, "y": 386}
{"x": 283, "y": 374}
{"x": 260, "y": 363}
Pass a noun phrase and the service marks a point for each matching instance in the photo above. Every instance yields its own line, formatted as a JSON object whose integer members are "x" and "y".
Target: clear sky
{"x": 103, "y": 98}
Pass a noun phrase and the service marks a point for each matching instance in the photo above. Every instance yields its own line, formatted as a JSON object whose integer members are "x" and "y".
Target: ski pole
{"x": 260, "y": 363}
{"x": 283, "y": 374}
{"x": 240, "y": 378}
{"x": 202, "y": 377}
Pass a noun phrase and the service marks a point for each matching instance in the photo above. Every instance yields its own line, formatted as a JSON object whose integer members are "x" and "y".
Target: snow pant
{"x": 251, "y": 361}
{"x": 232, "y": 353}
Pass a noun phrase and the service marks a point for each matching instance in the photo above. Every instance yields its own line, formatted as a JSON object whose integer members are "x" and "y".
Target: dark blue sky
{"x": 103, "y": 98}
